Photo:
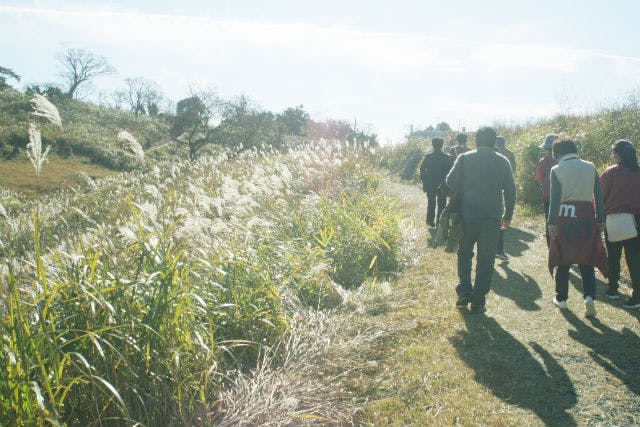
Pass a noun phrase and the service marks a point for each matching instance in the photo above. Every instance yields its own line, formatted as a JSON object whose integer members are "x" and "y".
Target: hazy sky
{"x": 387, "y": 64}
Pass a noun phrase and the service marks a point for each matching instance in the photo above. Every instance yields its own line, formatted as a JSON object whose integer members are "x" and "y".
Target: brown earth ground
{"x": 523, "y": 363}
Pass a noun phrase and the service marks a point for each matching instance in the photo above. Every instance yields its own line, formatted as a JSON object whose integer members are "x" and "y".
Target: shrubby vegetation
{"x": 136, "y": 298}
{"x": 594, "y": 133}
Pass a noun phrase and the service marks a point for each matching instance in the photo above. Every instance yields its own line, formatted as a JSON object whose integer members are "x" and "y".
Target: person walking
{"x": 502, "y": 149}
{"x": 461, "y": 147}
{"x": 621, "y": 197}
{"x": 433, "y": 171}
{"x": 543, "y": 171}
{"x": 574, "y": 225}
{"x": 483, "y": 181}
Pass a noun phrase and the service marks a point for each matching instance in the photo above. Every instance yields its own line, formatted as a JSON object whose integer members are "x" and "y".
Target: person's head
{"x": 461, "y": 139}
{"x": 437, "y": 143}
{"x": 500, "y": 141}
{"x": 486, "y": 137}
{"x": 547, "y": 144}
{"x": 625, "y": 153}
{"x": 564, "y": 146}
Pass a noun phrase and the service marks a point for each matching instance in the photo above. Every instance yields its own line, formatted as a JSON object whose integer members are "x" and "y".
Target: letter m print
{"x": 568, "y": 211}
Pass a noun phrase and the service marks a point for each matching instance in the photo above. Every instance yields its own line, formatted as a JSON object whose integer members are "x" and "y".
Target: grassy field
{"x": 523, "y": 363}
{"x": 61, "y": 173}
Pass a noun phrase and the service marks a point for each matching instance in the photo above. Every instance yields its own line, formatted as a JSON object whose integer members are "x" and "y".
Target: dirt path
{"x": 524, "y": 363}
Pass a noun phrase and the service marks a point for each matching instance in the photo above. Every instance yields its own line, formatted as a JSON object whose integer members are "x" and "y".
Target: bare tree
{"x": 81, "y": 66}
{"x": 140, "y": 95}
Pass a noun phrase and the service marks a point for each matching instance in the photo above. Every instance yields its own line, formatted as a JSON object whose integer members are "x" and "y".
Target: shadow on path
{"x": 521, "y": 288}
{"x": 516, "y": 241}
{"x": 616, "y": 352}
{"x": 509, "y": 370}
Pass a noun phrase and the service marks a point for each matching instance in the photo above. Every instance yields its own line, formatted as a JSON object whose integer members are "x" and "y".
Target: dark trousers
{"x": 435, "y": 197}
{"x": 588, "y": 281}
{"x": 483, "y": 233}
{"x": 500, "y": 248}
{"x": 631, "y": 255}
{"x": 546, "y": 219}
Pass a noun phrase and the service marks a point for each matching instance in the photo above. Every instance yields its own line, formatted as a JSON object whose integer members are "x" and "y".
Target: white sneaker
{"x": 559, "y": 304}
{"x": 589, "y": 307}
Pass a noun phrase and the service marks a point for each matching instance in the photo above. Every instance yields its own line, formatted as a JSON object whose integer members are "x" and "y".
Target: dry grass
{"x": 60, "y": 173}
{"x": 524, "y": 363}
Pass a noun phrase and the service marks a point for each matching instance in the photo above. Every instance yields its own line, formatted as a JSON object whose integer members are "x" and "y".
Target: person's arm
{"x": 556, "y": 196}
{"x": 513, "y": 163}
{"x": 423, "y": 169}
{"x": 453, "y": 180}
{"x": 539, "y": 172}
{"x": 605, "y": 184}
{"x": 597, "y": 195}
{"x": 509, "y": 192}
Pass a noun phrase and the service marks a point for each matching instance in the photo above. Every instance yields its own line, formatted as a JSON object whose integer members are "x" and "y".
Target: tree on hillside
{"x": 443, "y": 127}
{"x": 198, "y": 120}
{"x": 245, "y": 124}
{"x": 294, "y": 121}
{"x": 80, "y": 67}
{"x": 140, "y": 95}
{"x": 6, "y": 73}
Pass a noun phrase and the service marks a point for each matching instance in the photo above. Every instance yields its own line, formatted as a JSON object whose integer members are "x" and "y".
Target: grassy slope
{"x": 60, "y": 173}
{"x": 524, "y": 363}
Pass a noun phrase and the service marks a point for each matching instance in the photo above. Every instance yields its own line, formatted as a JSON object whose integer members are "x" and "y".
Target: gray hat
{"x": 548, "y": 141}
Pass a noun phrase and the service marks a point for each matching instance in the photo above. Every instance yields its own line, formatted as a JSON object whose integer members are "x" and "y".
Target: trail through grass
{"x": 523, "y": 363}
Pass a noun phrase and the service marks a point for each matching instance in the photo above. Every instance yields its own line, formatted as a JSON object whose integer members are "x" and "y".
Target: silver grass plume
{"x": 44, "y": 108}
{"x": 34, "y": 149}
{"x": 133, "y": 143}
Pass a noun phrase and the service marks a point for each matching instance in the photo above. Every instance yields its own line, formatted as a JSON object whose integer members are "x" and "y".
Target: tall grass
{"x": 146, "y": 294}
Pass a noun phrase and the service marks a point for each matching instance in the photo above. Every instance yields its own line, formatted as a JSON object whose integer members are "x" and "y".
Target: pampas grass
{"x": 44, "y": 108}
{"x": 132, "y": 143}
{"x": 34, "y": 149}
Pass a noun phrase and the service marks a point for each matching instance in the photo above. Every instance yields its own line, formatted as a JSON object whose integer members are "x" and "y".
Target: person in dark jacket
{"x": 433, "y": 171}
{"x": 502, "y": 149}
{"x": 461, "y": 140}
{"x": 483, "y": 181}
{"x": 621, "y": 195}
{"x": 543, "y": 172}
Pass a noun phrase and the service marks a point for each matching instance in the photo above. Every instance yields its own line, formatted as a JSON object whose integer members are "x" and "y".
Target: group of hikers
{"x": 579, "y": 206}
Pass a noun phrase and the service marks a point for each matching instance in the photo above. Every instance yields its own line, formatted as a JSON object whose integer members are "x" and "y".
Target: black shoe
{"x": 612, "y": 293}
{"x": 478, "y": 309}
{"x": 633, "y": 302}
{"x": 463, "y": 302}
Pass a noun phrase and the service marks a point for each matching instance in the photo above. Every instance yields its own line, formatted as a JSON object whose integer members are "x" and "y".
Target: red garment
{"x": 543, "y": 175}
{"x": 577, "y": 239}
{"x": 620, "y": 190}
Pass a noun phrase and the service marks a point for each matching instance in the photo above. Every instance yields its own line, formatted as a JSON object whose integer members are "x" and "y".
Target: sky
{"x": 385, "y": 65}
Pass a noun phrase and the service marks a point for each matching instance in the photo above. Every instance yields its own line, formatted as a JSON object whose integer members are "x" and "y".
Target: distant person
{"x": 483, "y": 181}
{"x": 621, "y": 197}
{"x": 502, "y": 149}
{"x": 433, "y": 171}
{"x": 543, "y": 171}
{"x": 574, "y": 225}
{"x": 461, "y": 147}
